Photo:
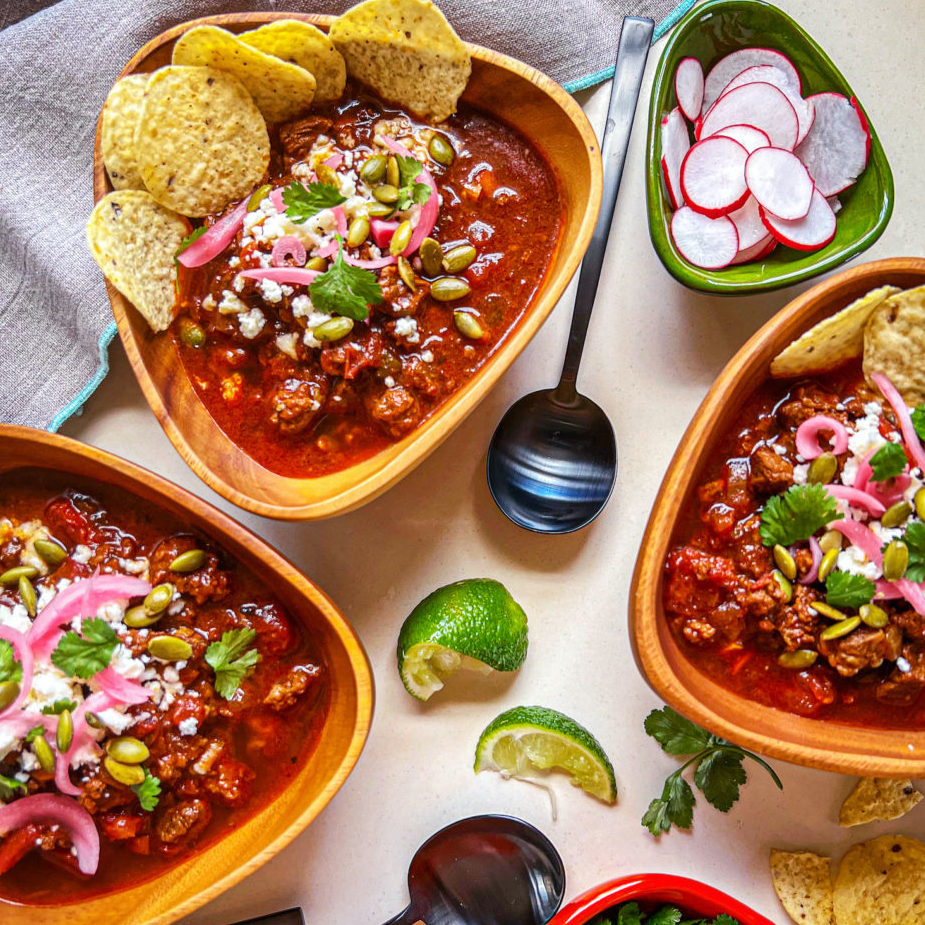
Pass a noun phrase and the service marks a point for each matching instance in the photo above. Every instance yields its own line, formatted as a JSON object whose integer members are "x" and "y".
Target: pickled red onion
{"x": 276, "y": 197}
{"x": 913, "y": 593}
{"x": 856, "y": 497}
{"x": 22, "y": 652}
{"x": 62, "y": 777}
{"x": 891, "y": 490}
{"x": 334, "y": 161}
{"x": 886, "y": 590}
{"x": 340, "y": 216}
{"x": 808, "y": 433}
{"x": 813, "y": 573}
{"x": 124, "y": 690}
{"x": 428, "y": 215}
{"x": 298, "y": 275}
{"x": 910, "y": 437}
{"x": 373, "y": 264}
{"x": 862, "y": 537}
{"x": 215, "y": 240}
{"x": 54, "y": 809}
{"x": 382, "y": 231}
{"x": 865, "y": 471}
{"x": 288, "y": 246}
{"x": 329, "y": 249}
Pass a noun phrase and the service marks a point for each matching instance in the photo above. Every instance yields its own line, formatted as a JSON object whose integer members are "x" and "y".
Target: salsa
{"x": 828, "y": 622}
{"x": 164, "y": 752}
{"x": 308, "y": 392}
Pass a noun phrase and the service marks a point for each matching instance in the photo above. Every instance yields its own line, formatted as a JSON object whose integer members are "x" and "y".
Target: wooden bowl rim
{"x": 646, "y": 615}
{"x": 349, "y": 493}
{"x": 224, "y": 526}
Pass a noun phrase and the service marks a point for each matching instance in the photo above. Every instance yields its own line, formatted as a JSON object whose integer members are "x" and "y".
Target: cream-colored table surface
{"x": 653, "y": 350}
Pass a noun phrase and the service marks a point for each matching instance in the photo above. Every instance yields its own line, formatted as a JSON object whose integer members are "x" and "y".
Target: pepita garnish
{"x": 358, "y": 231}
{"x": 46, "y": 757}
{"x": 11, "y": 576}
{"x": 785, "y": 561}
{"x": 373, "y": 169}
{"x": 828, "y": 563}
{"x": 896, "y": 514}
{"x": 798, "y": 660}
{"x": 784, "y": 585}
{"x": 827, "y": 610}
{"x": 822, "y": 469}
{"x": 392, "y": 174}
{"x": 65, "y": 732}
{"x": 159, "y": 598}
{"x": 50, "y": 552}
{"x": 431, "y": 255}
{"x": 259, "y": 194}
{"x": 895, "y": 560}
{"x": 129, "y": 774}
{"x": 189, "y": 561}
{"x": 458, "y": 258}
{"x": 468, "y": 325}
{"x": 874, "y": 616}
{"x": 449, "y": 288}
{"x": 169, "y": 648}
{"x": 386, "y": 193}
{"x": 9, "y": 691}
{"x": 400, "y": 238}
{"x": 333, "y": 329}
{"x": 406, "y": 272}
{"x": 127, "y": 750}
{"x": 27, "y": 595}
{"x": 842, "y": 628}
{"x": 440, "y": 149}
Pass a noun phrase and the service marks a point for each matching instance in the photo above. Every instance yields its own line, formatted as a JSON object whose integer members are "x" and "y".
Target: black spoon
{"x": 485, "y": 870}
{"x": 552, "y": 461}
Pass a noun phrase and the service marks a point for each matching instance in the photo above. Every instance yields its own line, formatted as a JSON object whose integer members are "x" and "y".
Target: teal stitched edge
{"x": 77, "y": 404}
{"x": 582, "y": 83}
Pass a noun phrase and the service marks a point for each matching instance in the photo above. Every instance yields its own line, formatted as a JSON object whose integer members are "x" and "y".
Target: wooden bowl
{"x": 522, "y": 97}
{"x": 222, "y": 864}
{"x": 812, "y": 742}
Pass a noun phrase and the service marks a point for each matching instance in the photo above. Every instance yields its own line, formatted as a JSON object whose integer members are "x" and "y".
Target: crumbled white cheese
{"x": 903, "y": 665}
{"x": 866, "y": 435}
{"x": 301, "y": 306}
{"x": 853, "y": 560}
{"x": 237, "y": 284}
{"x": 427, "y": 356}
{"x": 234, "y": 261}
{"x": 126, "y": 664}
{"x": 252, "y": 323}
{"x": 389, "y": 382}
{"x": 231, "y": 304}
{"x": 271, "y": 291}
{"x": 49, "y": 684}
{"x": 134, "y": 566}
{"x": 188, "y": 727}
{"x": 208, "y": 303}
{"x": 780, "y": 450}
{"x": 81, "y": 554}
{"x": 800, "y": 472}
{"x": 16, "y": 617}
{"x": 115, "y": 719}
{"x": 312, "y": 320}
{"x": 407, "y": 328}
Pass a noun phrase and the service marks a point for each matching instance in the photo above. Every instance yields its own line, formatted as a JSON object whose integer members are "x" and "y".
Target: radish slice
{"x": 675, "y": 145}
{"x": 746, "y": 135}
{"x": 814, "y": 230}
{"x": 834, "y": 204}
{"x": 288, "y": 246}
{"x": 780, "y": 183}
{"x": 298, "y": 275}
{"x": 382, "y": 231}
{"x": 713, "y": 176}
{"x": 864, "y": 123}
{"x": 760, "y": 105}
{"x": 816, "y": 551}
{"x": 807, "y": 436}
{"x": 22, "y": 653}
{"x": 835, "y": 150}
{"x": 208, "y": 246}
{"x": 710, "y": 243}
{"x": 749, "y": 225}
{"x": 756, "y": 251}
{"x": 770, "y": 74}
{"x": 53, "y": 809}
{"x": 688, "y": 87}
{"x": 733, "y": 64}
{"x": 856, "y": 498}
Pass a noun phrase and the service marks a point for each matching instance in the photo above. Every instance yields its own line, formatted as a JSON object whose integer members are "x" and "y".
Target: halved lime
{"x": 525, "y": 739}
{"x": 474, "y": 623}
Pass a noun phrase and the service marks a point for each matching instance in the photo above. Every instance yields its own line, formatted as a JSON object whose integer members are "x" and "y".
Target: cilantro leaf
{"x": 724, "y": 919}
{"x": 888, "y": 462}
{"x": 719, "y": 776}
{"x": 230, "y": 661}
{"x": 10, "y": 669}
{"x": 344, "y": 289}
{"x": 58, "y": 707}
{"x": 82, "y": 656}
{"x": 667, "y": 915}
{"x": 8, "y": 785}
{"x": 676, "y": 735}
{"x": 918, "y": 421}
{"x": 674, "y": 807}
{"x": 842, "y": 589}
{"x": 409, "y": 168}
{"x": 796, "y": 515}
{"x": 148, "y": 791}
{"x": 302, "y": 201}
{"x": 915, "y": 540}
{"x": 194, "y": 235}
{"x": 34, "y": 733}
{"x": 629, "y": 914}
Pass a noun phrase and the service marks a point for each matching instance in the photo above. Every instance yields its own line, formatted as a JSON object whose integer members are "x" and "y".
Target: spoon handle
{"x": 632, "y": 53}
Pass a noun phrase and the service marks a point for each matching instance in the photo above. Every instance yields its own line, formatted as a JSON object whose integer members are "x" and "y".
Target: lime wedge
{"x": 474, "y": 624}
{"x": 526, "y": 739}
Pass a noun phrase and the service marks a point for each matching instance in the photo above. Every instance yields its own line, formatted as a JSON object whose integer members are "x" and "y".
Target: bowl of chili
{"x": 238, "y": 778}
{"x": 816, "y": 715}
{"x": 536, "y": 225}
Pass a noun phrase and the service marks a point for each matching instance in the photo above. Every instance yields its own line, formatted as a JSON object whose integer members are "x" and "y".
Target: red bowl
{"x": 691, "y": 896}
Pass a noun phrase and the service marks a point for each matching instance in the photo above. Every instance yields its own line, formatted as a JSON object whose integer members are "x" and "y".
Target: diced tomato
{"x": 63, "y": 517}
{"x": 187, "y": 707}
{"x": 121, "y": 826}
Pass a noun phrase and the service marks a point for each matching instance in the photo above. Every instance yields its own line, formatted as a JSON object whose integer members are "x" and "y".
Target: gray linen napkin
{"x": 56, "y": 67}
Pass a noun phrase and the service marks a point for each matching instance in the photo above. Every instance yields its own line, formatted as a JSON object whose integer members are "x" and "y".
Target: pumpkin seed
{"x": 327, "y": 175}
{"x": 94, "y": 721}
{"x": 51, "y": 552}
{"x": 822, "y": 469}
{"x": 169, "y": 648}
{"x": 798, "y": 660}
{"x": 829, "y": 540}
{"x": 895, "y": 560}
{"x": 159, "y": 598}
{"x": 827, "y": 610}
{"x": 333, "y": 329}
{"x": 358, "y": 231}
{"x": 828, "y": 563}
{"x": 440, "y": 149}
{"x": 406, "y": 273}
{"x": 27, "y": 594}
{"x": 9, "y": 691}
{"x": 431, "y": 255}
{"x": 784, "y": 585}
{"x": 189, "y": 561}
{"x": 896, "y": 514}
{"x": 874, "y": 616}
{"x": 65, "y": 732}
{"x": 386, "y": 192}
{"x": 785, "y": 562}
{"x": 129, "y": 774}
{"x": 128, "y": 750}
{"x": 400, "y": 238}
{"x": 449, "y": 288}
{"x": 837, "y": 630}
{"x": 191, "y": 333}
{"x": 458, "y": 258}
{"x": 44, "y": 754}
{"x": 919, "y": 501}
{"x": 373, "y": 169}
{"x": 319, "y": 264}
{"x": 468, "y": 325}
{"x": 379, "y": 209}
{"x": 138, "y": 617}
{"x": 258, "y": 196}
{"x": 392, "y": 174}
{"x": 11, "y": 576}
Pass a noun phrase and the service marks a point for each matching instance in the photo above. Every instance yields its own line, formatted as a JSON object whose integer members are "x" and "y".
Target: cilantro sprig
{"x": 718, "y": 771}
{"x": 82, "y": 655}
{"x": 58, "y": 707}
{"x": 302, "y": 201}
{"x": 10, "y": 669}
{"x": 918, "y": 421}
{"x": 842, "y": 589}
{"x": 409, "y": 169}
{"x": 344, "y": 289}
{"x": 915, "y": 541}
{"x": 232, "y": 660}
{"x": 34, "y": 733}
{"x": 148, "y": 791}
{"x": 796, "y": 515}
{"x": 8, "y": 785}
{"x": 630, "y": 914}
{"x": 888, "y": 462}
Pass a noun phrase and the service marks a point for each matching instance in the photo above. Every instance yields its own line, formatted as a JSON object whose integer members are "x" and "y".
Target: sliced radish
{"x": 771, "y": 74}
{"x": 749, "y": 225}
{"x": 835, "y": 203}
{"x": 733, "y": 64}
{"x": 780, "y": 182}
{"x": 746, "y": 135}
{"x": 688, "y": 87}
{"x": 814, "y": 230}
{"x": 676, "y": 143}
{"x": 760, "y": 105}
{"x": 864, "y": 123}
{"x": 713, "y": 176}
{"x": 756, "y": 251}
{"x": 698, "y": 125}
{"x": 710, "y": 243}
{"x": 835, "y": 150}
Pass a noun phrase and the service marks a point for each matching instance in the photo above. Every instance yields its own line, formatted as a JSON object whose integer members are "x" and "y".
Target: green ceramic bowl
{"x": 708, "y": 32}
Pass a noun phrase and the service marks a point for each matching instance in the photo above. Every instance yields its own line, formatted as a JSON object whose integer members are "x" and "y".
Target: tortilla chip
{"x": 406, "y": 52}
{"x": 882, "y": 882}
{"x": 134, "y": 240}
{"x": 876, "y": 798}
{"x": 803, "y": 884}
{"x": 303, "y": 44}
{"x": 832, "y": 341}
{"x": 281, "y": 90}
{"x": 201, "y": 142}
{"x": 894, "y": 339}
{"x": 117, "y": 131}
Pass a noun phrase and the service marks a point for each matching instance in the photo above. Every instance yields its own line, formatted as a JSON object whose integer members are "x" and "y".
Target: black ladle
{"x": 552, "y": 461}
{"x": 485, "y": 870}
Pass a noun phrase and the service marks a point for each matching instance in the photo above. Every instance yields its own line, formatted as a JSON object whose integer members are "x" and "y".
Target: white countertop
{"x": 653, "y": 350}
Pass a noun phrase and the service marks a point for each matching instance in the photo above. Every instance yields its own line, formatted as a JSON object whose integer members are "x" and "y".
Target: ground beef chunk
{"x": 395, "y": 410}
{"x": 771, "y": 474}
{"x": 796, "y": 622}
{"x": 183, "y": 822}
{"x": 230, "y": 781}
{"x": 296, "y": 404}
{"x": 348, "y": 360}
{"x": 298, "y": 137}
{"x": 749, "y": 553}
{"x": 209, "y": 583}
{"x": 397, "y": 298}
{"x": 902, "y": 688}
{"x": 286, "y": 692}
{"x": 911, "y": 623}
{"x": 806, "y": 402}
{"x": 862, "y": 649}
